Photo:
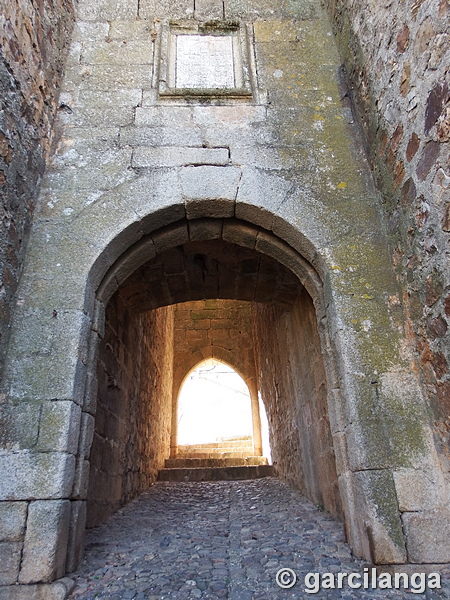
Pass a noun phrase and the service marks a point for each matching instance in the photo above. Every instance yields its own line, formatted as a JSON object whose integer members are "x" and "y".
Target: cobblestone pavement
{"x": 218, "y": 540}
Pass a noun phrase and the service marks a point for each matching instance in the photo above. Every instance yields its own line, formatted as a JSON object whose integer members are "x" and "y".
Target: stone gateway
{"x": 262, "y": 183}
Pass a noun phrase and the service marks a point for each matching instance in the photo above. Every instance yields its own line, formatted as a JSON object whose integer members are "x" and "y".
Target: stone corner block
{"x": 76, "y": 536}
{"x": 379, "y": 517}
{"x": 30, "y": 476}
{"x": 428, "y": 535}
{"x": 416, "y": 491}
{"x": 86, "y": 435}
{"x": 12, "y": 521}
{"x": 10, "y": 553}
{"x": 58, "y": 590}
{"x": 46, "y": 539}
{"x": 59, "y": 426}
{"x": 81, "y": 480}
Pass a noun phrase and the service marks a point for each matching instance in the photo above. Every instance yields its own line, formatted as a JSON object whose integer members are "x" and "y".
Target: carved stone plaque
{"x": 204, "y": 61}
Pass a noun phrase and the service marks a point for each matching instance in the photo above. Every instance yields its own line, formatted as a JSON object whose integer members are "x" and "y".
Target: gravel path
{"x": 219, "y": 540}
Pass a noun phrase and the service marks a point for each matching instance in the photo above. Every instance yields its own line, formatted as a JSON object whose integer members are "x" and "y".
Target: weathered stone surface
{"x": 86, "y": 435}
{"x": 31, "y": 69}
{"x": 210, "y": 183}
{"x": 151, "y": 9}
{"x": 377, "y": 510}
{"x": 305, "y": 9}
{"x": 403, "y": 39}
{"x": 134, "y": 411}
{"x": 415, "y": 491}
{"x": 12, "y": 521}
{"x": 427, "y": 535}
{"x": 209, "y": 9}
{"x": 413, "y": 95}
{"x": 10, "y": 557}
{"x": 27, "y": 476}
{"x": 20, "y": 428}
{"x": 163, "y": 116}
{"x": 107, "y": 10}
{"x": 413, "y": 146}
{"x": 46, "y": 374}
{"x": 179, "y": 156}
{"x": 435, "y": 105}
{"x": 427, "y": 160}
{"x": 59, "y": 427}
{"x": 59, "y": 590}
{"x": 76, "y": 536}
{"x": 46, "y": 538}
{"x": 81, "y": 480}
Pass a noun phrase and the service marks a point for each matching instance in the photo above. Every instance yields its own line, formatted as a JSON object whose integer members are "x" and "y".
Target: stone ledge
{"x": 59, "y": 590}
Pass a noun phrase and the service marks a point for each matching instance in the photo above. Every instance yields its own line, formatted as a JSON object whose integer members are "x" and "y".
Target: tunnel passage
{"x": 147, "y": 351}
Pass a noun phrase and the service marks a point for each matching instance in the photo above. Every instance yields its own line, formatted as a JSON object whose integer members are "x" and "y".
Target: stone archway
{"x": 214, "y": 259}
{"x": 60, "y": 462}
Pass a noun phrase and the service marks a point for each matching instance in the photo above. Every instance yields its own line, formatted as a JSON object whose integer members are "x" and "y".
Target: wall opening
{"x": 217, "y": 301}
{"x": 214, "y": 405}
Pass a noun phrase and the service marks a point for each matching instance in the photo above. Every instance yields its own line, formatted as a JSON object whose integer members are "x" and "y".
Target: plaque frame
{"x": 244, "y": 66}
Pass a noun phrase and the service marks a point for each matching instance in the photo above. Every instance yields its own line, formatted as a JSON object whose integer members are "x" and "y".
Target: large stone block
{"x": 90, "y": 396}
{"x": 10, "y": 554}
{"x": 91, "y": 97}
{"x": 46, "y": 538}
{"x": 179, "y": 156}
{"x": 107, "y": 10}
{"x": 258, "y": 9}
{"x": 209, "y": 9}
{"x": 240, "y": 234}
{"x": 236, "y": 118}
{"x": 27, "y": 476}
{"x": 86, "y": 435}
{"x": 59, "y": 429}
{"x": 151, "y": 9}
{"x": 161, "y": 136}
{"x": 260, "y": 193}
{"x": 205, "y": 229}
{"x": 428, "y": 535}
{"x": 157, "y": 199}
{"x": 48, "y": 355}
{"x": 210, "y": 183}
{"x": 12, "y": 521}
{"x": 378, "y": 516}
{"x": 76, "y": 536}
{"x": 19, "y": 425}
{"x": 417, "y": 489}
{"x": 81, "y": 480}
{"x": 170, "y": 237}
{"x": 59, "y": 590}
{"x": 164, "y": 116}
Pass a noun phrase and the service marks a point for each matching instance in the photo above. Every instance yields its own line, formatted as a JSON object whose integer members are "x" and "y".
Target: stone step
{"x": 235, "y": 444}
{"x": 217, "y": 473}
{"x": 184, "y": 462}
{"x": 221, "y": 453}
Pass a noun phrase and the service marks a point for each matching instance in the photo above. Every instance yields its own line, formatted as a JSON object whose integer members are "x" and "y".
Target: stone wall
{"x": 396, "y": 57}
{"x": 34, "y": 37}
{"x": 213, "y": 329}
{"x": 292, "y": 384}
{"x": 133, "y": 418}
